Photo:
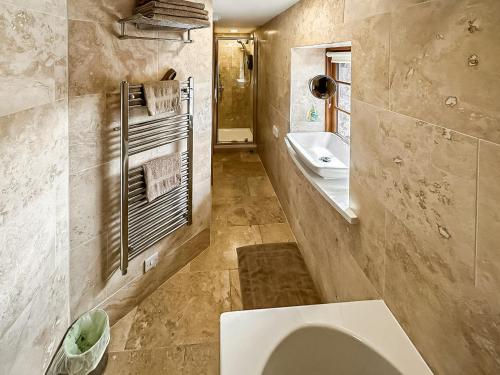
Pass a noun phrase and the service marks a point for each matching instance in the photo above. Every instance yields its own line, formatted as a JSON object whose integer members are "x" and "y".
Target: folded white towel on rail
{"x": 162, "y": 175}
{"x": 162, "y": 97}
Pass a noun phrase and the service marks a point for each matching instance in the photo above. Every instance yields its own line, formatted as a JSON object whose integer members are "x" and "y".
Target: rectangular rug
{"x": 274, "y": 275}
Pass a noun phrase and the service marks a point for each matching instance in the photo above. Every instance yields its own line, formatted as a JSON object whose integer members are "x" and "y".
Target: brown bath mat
{"x": 274, "y": 275}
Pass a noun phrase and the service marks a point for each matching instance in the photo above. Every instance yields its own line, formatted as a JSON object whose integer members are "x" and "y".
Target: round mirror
{"x": 322, "y": 87}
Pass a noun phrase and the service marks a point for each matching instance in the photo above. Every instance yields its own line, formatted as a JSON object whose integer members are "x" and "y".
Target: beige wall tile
{"x": 356, "y": 10}
{"x": 36, "y": 134}
{"x": 488, "y": 217}
{"x": 32, "y": 340}
{"x": 27, "y": 72}
{"x": 105, "y": 11}
{"x": 53, "y": 7}
{"x": 32, "y": 228}
{"x": 94, "y": 202}
{"x": 429, "y": 302}
{"x": 99, "y": 61}
{"x": 370, "y": 60}
{"x": 369, "y": 252}
{"x": 34, "y": 301}
{"x": 92, "y": 141}
{"x": 430, "y": 74}
{"x": 180, "y": 57}
{"x": 88, "y": 280}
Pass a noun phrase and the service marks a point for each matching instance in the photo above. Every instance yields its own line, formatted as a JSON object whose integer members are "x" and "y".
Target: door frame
{"x": 215, "y": 104}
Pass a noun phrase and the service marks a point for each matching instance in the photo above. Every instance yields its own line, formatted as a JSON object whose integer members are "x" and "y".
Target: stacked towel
{"x": 162, "y": 175}
{"x": 179, "y": 13}
{"x": 162, "y": 97}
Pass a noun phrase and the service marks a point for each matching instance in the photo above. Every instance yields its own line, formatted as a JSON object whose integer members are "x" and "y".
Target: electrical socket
{"x": 151, "y": 262}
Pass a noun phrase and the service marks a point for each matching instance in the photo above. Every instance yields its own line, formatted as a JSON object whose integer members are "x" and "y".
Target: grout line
{"x": 390, "y": 50}
{"x": 426, "y": 122}
{"x": 385, "y": 252}
{"x": 476, "y": 239}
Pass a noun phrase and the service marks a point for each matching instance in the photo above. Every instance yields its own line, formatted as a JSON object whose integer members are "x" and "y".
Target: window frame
{"x": 332, "y": 109}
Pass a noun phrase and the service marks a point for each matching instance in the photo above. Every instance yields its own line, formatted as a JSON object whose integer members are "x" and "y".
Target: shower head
{"x": 243, "y": 48}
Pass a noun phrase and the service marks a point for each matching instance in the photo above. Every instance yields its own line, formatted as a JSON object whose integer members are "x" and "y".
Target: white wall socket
{"x": 276, "y": 132}
{"x": 151, "y": 262}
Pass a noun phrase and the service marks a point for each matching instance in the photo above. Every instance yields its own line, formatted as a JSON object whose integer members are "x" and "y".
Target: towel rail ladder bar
{"x": 143, "y": 223}
{"x": 190, "y": 149}
{"x": 124, "y": 250}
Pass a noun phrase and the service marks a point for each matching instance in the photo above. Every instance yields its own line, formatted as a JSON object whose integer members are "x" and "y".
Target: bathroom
{"x": 338, "y": 198}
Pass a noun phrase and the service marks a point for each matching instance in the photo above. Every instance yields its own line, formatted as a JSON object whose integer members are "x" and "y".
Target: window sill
{"x": 335, "y": 191}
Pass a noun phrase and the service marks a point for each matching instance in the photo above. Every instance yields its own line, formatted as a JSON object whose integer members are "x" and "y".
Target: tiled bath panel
{"x": 176, "y": 329}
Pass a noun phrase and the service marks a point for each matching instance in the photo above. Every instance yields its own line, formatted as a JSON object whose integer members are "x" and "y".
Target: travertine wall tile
{"x": 370, "y": 60}
{"x": 369, "y": 251}
{"x": 488, "y": 217}
{"x": 425, "y": 300}
{"x": 99, "y": 61}
{"x": 52, "y": 7}
{"x": 104, "y": 11}
{"x": 235, "y": 108}
{"x": 93, "y": 204}
{"x": 91, "y": 140}
{"x": 434, "y": 75}
{"x": 358, "y": 9}
{"x": 88, "y": 278}
{"x": 34, "y": 249}
{"x": 27, "y": 59}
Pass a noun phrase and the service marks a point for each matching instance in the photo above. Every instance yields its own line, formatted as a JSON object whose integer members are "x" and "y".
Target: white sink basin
{"x": 326, "y": 154}
{"x": 355, "y": 338}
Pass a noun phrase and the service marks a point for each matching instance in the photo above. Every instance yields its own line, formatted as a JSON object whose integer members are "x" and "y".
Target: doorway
{"x": 235, "y": 91}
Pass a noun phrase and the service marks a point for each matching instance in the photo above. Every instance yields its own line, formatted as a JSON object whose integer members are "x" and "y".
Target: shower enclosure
{"x": 235, "y": 88}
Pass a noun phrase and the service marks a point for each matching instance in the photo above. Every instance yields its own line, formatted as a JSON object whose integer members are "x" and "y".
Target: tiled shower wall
{"x": 425, "y": 167}
{"x": 98, "y": 61}
{"x": 236, "y": 101}
{"x": 34, "y": 249}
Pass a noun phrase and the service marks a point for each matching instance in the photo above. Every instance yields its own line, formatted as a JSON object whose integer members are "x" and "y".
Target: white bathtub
{"x": 356, "y": 338}
{"x": 326, "y": 154}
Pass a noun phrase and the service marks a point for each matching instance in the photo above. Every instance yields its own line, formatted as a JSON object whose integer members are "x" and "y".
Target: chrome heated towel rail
{"x": 143, "y": 223}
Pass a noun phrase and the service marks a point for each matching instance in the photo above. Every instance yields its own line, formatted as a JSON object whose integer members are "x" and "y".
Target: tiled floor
{"x": 176, "y": 330}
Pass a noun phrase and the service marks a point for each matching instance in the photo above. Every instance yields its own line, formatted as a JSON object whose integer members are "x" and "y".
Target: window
{"x": 338, "y": 108}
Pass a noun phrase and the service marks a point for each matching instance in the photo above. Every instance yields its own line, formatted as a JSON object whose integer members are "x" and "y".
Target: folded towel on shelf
{"x": 152, "y": 5}
{"x": 162, "y": 175}
{"x": 179, "y": 22}
{"x": 175, "y": 2}
{"x": 162, "y": 96}
{"x": 176, "y": 13}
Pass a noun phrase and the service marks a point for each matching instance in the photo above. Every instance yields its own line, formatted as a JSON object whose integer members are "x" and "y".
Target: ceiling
{"x": 246, "y": 15}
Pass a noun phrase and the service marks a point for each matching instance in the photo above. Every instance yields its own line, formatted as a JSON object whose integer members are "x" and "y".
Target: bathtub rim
{"x": 371, "y": 321}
